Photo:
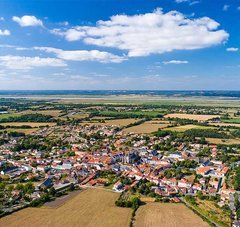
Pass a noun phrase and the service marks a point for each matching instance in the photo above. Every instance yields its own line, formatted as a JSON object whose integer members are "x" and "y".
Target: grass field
{"x": 167, "y": 215}
{"x": 146, "y": 127}
{"x": 183, "y": 128}
{"x": 232, "y": 120}
{"x": 92, "y": 207}
{"x": 3, "y": 116}
{"x": 215, "y": 213}
{"x": 191, "y": 116}
{"x": 139, "y": 114}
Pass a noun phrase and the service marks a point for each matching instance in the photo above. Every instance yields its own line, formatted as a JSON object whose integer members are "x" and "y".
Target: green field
{"x": 232, "y": 120}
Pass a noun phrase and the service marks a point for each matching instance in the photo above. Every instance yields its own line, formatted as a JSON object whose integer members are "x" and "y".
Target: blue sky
{"x": 125, "y": 44}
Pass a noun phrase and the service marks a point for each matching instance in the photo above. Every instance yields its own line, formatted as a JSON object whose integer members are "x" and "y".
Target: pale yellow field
{"x": 146, "y": 127}
{"x": 183, "y": 128}
{"x": 78, "y": 115}
{"x": 191, "y": 116}
{"x": 167, "y": 215}
{"x": 225, "y": 124}
{"x": 27, "y": 131}
{"x": 117, "y": 122}
{"x": 32, "y": 124}
{"x": 54, "y": 113}
{"x": 91, "y": 208}
{"x": 223, "y": 141}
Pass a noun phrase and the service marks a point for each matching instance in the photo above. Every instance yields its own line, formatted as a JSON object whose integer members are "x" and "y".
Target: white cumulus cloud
{"x": 83, "y": 55}
{"x": 26, "y": 63}
{"x": 27, "y": 20}
{"x": 150, "y": 33}
{"x": 232, "y": 49}
{"x": 5, "y": 32}
{"x": 176, "y": 62}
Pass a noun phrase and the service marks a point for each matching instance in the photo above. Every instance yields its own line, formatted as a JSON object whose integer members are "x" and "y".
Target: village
{"x": 104, "y": 156}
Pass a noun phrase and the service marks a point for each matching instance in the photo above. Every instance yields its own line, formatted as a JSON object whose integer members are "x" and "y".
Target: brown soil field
{"x": 146, "y": 127}
{"x": 167, "y": 215}
{"x": 191, "y": 116}
{"x": 91, "y": 208}
{"x": 223, "y": 141}
{"x": 32, "y": 124}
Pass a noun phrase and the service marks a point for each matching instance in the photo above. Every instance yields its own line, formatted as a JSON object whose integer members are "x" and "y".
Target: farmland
{"x": 183, "y": 128}
{"x": 53, "y": 113}
{"x": 92, "y": 207}
{"x": 232, "y": 120}
{"x": 223, "y": 141}
{"x": 191, "y": 116}
{"x": 31, "y": 124}
{"x": 164, "y": 215}
{"x": 147, "y": 127}
{"x": 117, "y": 122}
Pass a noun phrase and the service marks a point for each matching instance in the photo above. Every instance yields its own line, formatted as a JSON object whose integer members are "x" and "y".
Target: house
{"x": 236, "y": 223}
{"x": 203, "y": 170}
{"x": 118, "y": 186}
{"x": 183, "y": 183}
{"x": 46, "y": 184}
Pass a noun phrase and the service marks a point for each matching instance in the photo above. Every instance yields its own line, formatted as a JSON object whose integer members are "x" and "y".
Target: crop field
{"x": 92, "y": 207}
{"x": 139, "y": 114}
{"x": 77, "y": 115}
{"x": 146, "y": 127}
{"x": 26, "y": 131}
{"x": 7, "y": 115}
{"x": 54, "y": 113}
{"x": 223, "y": 141}
{"x": 183, "y": 128}
{"x": 191, "y": 116}
{"x": 32, "y": 124}
{"x": 225, "y": 124}
{"x": 232, "y": 120}
{"x": 118, "y": 122}
{"x": 167, "y": 214}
